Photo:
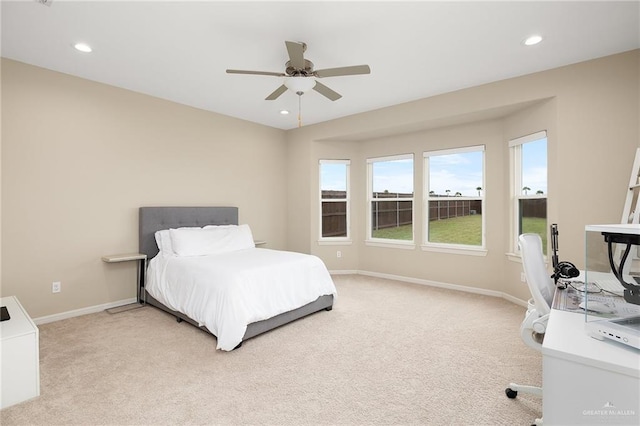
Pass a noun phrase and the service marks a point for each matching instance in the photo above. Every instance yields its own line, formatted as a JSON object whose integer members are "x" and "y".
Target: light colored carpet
{"x": 388, "y": 353}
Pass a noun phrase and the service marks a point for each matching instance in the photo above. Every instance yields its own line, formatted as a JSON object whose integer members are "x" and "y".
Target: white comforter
{"x": 226, "y": 292}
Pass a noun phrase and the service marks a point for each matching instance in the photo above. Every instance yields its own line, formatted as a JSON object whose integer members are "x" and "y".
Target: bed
{"x": 244, "y": 306}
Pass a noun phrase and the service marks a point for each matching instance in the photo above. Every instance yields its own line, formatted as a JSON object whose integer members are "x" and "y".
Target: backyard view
{"x": 455, "y": 193}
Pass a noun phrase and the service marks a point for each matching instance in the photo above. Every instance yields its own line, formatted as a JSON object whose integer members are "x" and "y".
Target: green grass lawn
{"x": 465, "y": 230}
{"x": 404, "y": 232}
{"x": 536, "y": 225}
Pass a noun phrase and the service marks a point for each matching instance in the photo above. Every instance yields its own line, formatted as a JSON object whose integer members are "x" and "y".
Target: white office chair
{"x": 542, "y": 288}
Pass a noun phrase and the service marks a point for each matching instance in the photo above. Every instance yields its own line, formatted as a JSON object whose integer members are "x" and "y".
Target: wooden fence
{"x": 388, "y": 214}
{"x": 450, "y": 207}
{"x": 533, "y": 207}
{"x": 334, "y": 219}
{"x": 391, "y": 214}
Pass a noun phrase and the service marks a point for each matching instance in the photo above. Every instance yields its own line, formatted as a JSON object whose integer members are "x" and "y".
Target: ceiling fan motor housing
{"x": 295, "y": 72}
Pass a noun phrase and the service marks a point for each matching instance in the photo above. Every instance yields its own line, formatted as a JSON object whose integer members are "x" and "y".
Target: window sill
{"x": 467, "y": 251}
{"x": 408, "y": 245}
{"x": 336, "y": 242}
{"x": 514, "y": 257}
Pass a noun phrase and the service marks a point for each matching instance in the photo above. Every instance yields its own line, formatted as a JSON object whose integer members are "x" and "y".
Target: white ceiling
{"x": 180, "y": 50}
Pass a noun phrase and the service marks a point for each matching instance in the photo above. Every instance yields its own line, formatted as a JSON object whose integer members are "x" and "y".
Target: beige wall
{"x": 590, "y": 111}
{"x": 79, "y": 158}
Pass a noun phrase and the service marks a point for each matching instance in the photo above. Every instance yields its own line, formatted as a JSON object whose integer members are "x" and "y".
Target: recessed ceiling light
{"x": 83, "y": 47}
{"x": 531, "y": 40}
{"x": 284, "y": 112}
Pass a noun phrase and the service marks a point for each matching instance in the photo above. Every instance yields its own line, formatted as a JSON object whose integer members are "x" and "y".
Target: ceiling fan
{"x": 300, "y": 75}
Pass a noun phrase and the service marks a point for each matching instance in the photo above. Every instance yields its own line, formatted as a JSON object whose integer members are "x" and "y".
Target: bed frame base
{"x": 256, "y": 328}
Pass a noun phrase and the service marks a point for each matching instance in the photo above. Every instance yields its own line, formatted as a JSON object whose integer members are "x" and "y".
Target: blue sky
{"x": 534, "y": 165}
{"x": 455, "y": 172}
{"x": 393, "y": 176}
{"x": 333, "y": 177}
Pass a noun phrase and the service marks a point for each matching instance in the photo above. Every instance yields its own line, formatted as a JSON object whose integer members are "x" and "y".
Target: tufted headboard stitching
{"x": 153, "y": 219}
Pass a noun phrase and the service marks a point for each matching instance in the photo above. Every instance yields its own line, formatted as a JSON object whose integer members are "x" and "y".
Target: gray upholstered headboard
{"x": 154, "y": 219}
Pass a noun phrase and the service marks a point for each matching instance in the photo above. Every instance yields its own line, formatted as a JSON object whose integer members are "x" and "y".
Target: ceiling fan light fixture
{"x": 532, "y": 40}
{"x": 299, "y": 84}
{"x": 83, "y": 47}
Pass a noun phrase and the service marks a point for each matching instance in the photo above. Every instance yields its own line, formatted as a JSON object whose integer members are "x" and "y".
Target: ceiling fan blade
{"x": 335, "y": 72}
{"x": 275, "y": 74}
{"x": 276, "y": 93}
{"x": 325, "y": 91}
{"x": 296, "y": 54}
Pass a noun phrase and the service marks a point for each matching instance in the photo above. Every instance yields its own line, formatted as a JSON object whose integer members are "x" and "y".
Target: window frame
{"x": 388, "y": 242}
{"x": 515, "y": 162}
{"x": 452, "y": 247}
{"x": 347, "y": 200}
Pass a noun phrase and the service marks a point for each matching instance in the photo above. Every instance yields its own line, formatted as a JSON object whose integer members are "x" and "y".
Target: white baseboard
{"x": 515, "y": 300}
{"x": 344, "y": 272}
{"x": 430, "y": 283}
{"x": 493, "y": 293}
{"x": 82, "y": 311}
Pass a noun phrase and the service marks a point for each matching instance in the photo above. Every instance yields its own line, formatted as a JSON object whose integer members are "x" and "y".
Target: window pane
{"x": 393, "y": 177}
{"x": 456, "y": 174}
{"x": 533, "y": 218}
{"x": 392, "y": 208}
{"x": 333, "y": 180}
{"x": 392, "y": 219}
{"x": 334, "y": 219}
{"x": 532, "y": 190}
{"x": 333, "y": 186}
{"x": 453, "y": 220}
{"x": 534, "y": 167}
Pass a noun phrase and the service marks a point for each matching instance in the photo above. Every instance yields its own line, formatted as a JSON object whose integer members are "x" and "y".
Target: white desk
{"x": 584, "y": 380}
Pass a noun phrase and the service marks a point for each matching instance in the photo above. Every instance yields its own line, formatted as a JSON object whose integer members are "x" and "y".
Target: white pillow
{"x": 211, "y": 240}
{"x": 163, "y": 240}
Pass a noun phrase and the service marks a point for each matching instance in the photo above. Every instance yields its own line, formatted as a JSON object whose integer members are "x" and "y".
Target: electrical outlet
{"x": 338, "y": 254}
{"x": 56, "y": 287}
{"x": 523, "y": 277}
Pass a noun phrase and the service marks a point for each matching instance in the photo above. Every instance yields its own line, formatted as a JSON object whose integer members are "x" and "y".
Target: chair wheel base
{"x": 511, "y": 394}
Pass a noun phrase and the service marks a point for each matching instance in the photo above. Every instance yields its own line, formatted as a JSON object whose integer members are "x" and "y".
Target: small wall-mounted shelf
{"x": 112, "y": 258}
{"x": 142, "y": 264}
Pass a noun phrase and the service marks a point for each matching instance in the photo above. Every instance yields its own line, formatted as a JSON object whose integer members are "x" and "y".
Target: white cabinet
{"x": 19, "y": 355}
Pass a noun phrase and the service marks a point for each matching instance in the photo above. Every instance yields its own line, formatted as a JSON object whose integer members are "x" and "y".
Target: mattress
{"x": 228, "y": 291}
